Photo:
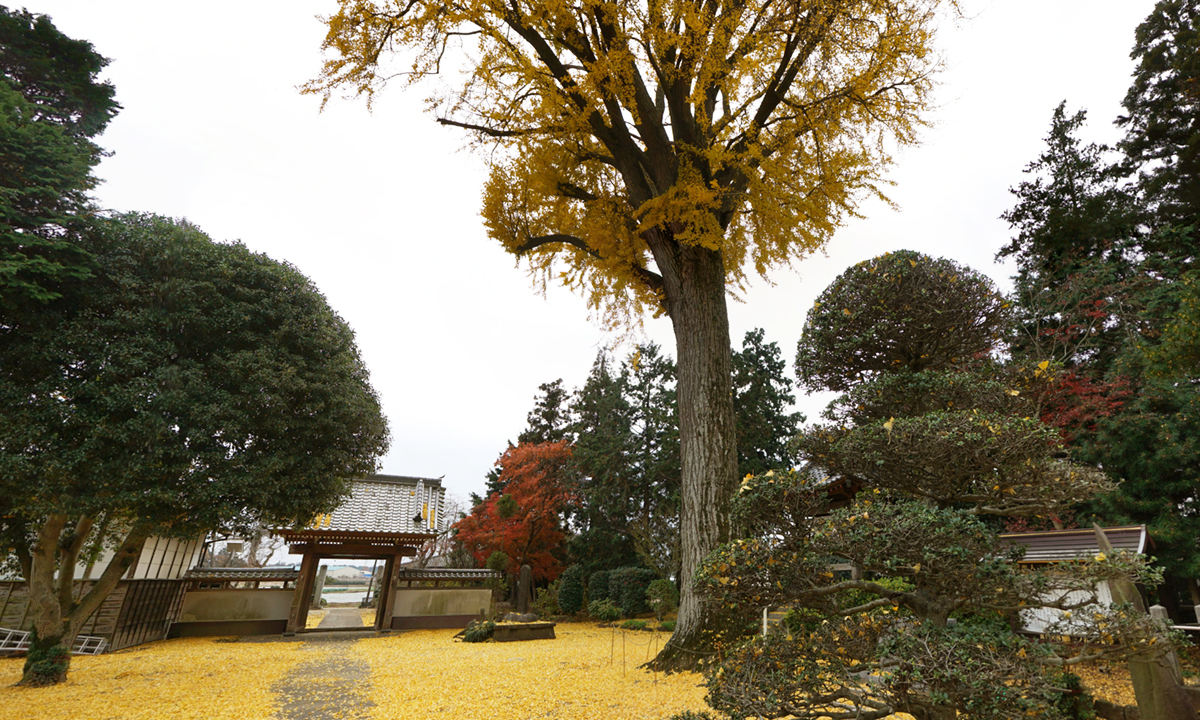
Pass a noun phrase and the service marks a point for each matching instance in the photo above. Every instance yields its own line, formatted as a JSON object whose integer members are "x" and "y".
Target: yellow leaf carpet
{"x": 588, "y": 672}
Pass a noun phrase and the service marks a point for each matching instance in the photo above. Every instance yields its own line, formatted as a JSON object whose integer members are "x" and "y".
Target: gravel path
{"x": 329, "y": 685}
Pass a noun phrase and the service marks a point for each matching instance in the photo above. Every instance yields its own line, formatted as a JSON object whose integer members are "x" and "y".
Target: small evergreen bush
{"x": 1076, "y": 703}
{"x": 627, "y": 589}
{"x": 597, "y": 587}
{"x": 667, "y": 626}
{"x": 604, "y": 610}
{"x": 662, "y": 597}
{"x": 479, "y": 631}
{"x": 570, "y": 590}
{"x": 634, "y": 625}
{"x": 546, "y": 601}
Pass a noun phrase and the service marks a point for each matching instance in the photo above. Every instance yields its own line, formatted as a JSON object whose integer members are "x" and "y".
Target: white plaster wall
{"x": 210, "y": 605}
{"x": 412, "y": 602}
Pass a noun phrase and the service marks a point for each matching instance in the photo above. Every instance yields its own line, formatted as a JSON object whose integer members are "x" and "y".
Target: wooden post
{"x": 300, "y": 598}
{"x": 387, "y": 594}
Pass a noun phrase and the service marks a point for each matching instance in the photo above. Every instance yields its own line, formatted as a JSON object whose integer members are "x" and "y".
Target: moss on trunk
{"x": 47, "y": 662}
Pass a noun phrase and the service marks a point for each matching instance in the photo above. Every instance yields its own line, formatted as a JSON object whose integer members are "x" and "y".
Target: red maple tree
{"x": 524, "y": 520}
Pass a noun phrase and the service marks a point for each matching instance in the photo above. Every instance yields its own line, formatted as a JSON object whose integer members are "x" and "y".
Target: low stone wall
{"x": 233, "y": 612}
{"x": 451, "y": 607}
{"x": 524, "y": 631}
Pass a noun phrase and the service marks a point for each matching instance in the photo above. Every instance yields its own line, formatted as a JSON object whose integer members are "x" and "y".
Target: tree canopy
{"x": 1162, "y": 127}
{"x": 650, "y": 154}
{"x": 899, "y": 311}
{"x": 51, "y": 105}
{"x": 189, "y": 385}
{"x": 746, "y": 128}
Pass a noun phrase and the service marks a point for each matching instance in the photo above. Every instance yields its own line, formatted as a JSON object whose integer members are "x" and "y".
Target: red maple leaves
{"x": 524, "y": 521}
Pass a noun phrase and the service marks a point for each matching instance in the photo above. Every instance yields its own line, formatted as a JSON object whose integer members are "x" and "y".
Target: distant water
{"x": 353, "y": 596}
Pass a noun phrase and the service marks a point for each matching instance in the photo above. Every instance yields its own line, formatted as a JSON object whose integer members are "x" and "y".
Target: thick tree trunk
{"x": 48, "y": 659}
{"x": 57, "y": 614}
{"x": 694, "y": 279}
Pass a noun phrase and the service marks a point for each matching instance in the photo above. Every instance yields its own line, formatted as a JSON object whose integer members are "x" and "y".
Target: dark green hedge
{"x": 598, "y": 586}
{"x": 570, "y": 590}
{"x": 627, "y": 588}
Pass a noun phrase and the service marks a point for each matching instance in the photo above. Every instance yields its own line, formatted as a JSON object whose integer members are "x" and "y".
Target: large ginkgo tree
{"x": 652, "y": 154}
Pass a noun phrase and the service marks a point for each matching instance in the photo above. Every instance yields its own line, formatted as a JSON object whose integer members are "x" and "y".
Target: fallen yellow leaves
{"x": 1107, "y": 682}
{"x": 180, "y": 679}
{"x": 587, "y": 672}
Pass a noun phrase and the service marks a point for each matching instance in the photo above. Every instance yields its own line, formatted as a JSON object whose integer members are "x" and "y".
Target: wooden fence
{"x": 137, "y": 611}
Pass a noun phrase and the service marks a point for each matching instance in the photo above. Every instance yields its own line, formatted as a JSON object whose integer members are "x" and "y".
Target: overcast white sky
{"x": 381, "y": 209}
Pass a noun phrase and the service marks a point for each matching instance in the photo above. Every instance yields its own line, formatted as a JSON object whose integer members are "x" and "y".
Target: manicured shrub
{"x": 479, "y": 631}
{"x": 604, "y": 611}
{"x": 597, "y": 588}
{"x": 627, "y": 589}
{"x": 662, "y": 597}
{"x": 667, "y": 626}
{"x": 634, "y": 625}
{"x": 570, "y": 590}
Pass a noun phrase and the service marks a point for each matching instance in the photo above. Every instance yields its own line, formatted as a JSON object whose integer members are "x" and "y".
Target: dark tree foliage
{"x": 1103, "y": 292}
{"x": 548, "y": 420}
{"x": 762, "y": 394}
{"x": 931, "y": 418}
{"x": 189, "y": 386}
{"x": 601, "y": 424}
{"x": 624, "y": 428}
{"x": 648, "y": 379}
{"x": 627, "y": 449}
{"x": 51, "y": 105}
{"x": 1072, "y": 208}
{"x": 899, "y": 311}
{"x": 1162, "y": 124}
{"x": 627, "y": 589}
{"x": 55, "y": 73}
{"x": 597, "y": 587}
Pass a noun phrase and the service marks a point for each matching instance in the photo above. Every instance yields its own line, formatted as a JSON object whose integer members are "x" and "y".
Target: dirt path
{"x": 330, "y": 685}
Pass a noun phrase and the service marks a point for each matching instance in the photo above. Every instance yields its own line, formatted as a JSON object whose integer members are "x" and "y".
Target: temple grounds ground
{"x": 588, "y": 672}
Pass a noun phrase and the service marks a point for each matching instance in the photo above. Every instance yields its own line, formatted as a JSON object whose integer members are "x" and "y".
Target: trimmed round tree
{"x": 899, "y": 311}
{"x": 938, "y": 435}
{"x": 190, "y": 385}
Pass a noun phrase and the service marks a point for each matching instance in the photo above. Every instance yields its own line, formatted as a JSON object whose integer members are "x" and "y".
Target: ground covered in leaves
{"x": 587, "y": 672}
